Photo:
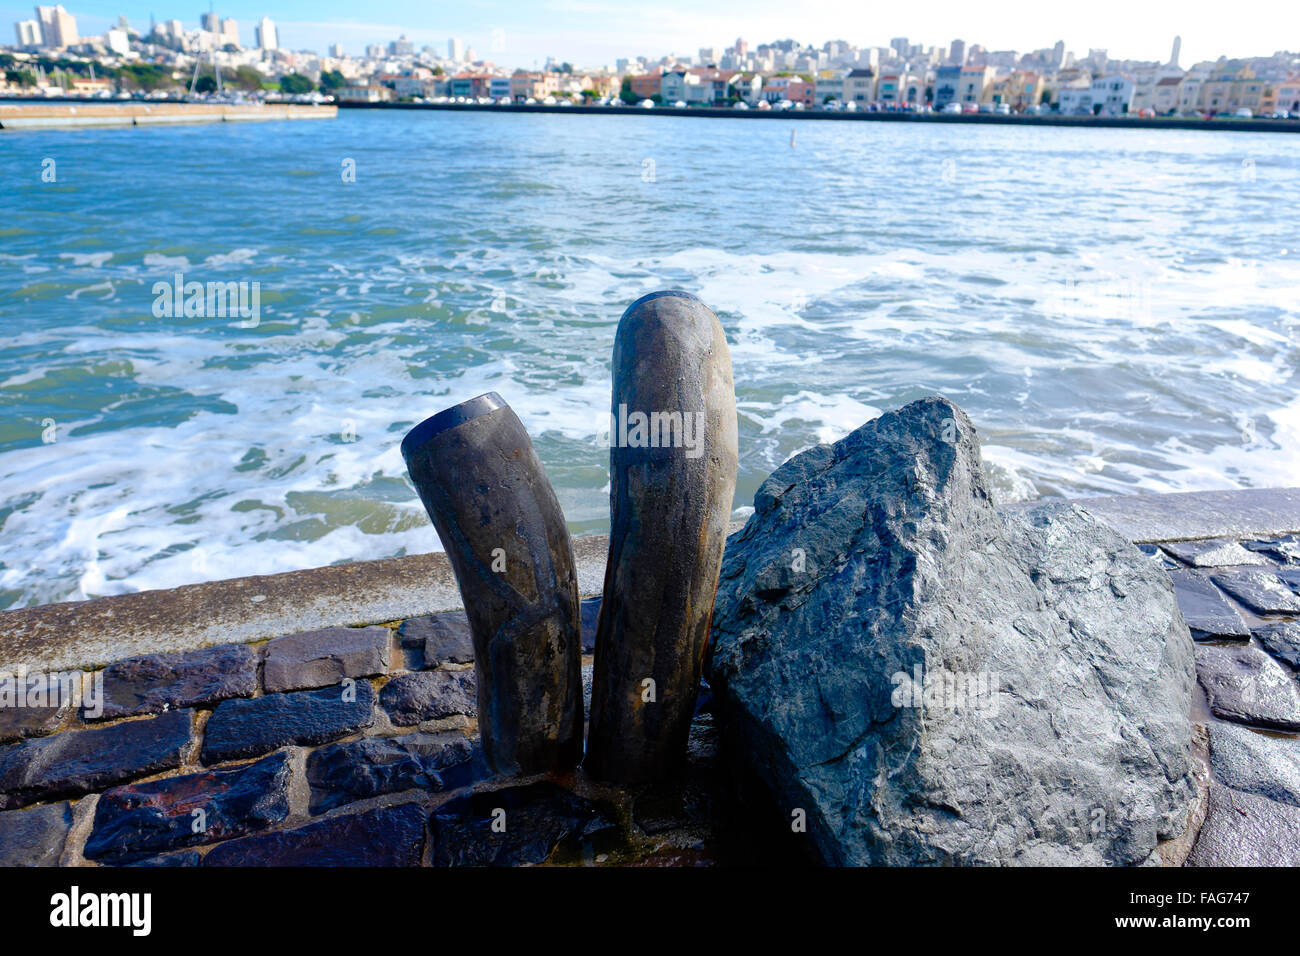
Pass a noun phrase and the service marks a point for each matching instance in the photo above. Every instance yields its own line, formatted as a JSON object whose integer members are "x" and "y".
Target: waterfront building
{"x": 974, "y": 80}
{"x": 365, "y": 93}
{"x": 947, "y": 80}
{"x": 860, "y": 86}
{"x": 646, "y": 85}
{"x": 1165, "y": 98}
{"x": 1288, "y": 94}
{"x": 1112, "y": 95}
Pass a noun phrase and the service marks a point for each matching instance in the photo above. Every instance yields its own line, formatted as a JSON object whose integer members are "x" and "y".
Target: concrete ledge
{"x": 94, "y": 633}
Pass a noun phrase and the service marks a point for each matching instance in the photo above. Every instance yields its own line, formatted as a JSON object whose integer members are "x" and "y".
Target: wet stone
{"x": 34, "y": 837}
{"x": 146, "y": 819}
{"x": 250, "y": 728}
{"x": 1242, "y": 829}
{"x": 156, "y": 682}
{"x": 1206, "y": 611}
{"x": 1261, "y": 591}
{"x": 589, "y": 609}
{"x": 1251, "y": 761}
{"x": 389, "y": 836}
{"x": 1246, "y": 685}
{"x": 1214, "y": 553}
{"x": 19, "y": 723}
{"x": 324, "y": 658}
{"x": 542, "y": 823}
{"x": 429, "y": 695}
{"x": 1284, "y": 550}
{"x": 1159, "y": 556}
{"x": 79, "y": 761}
{"x": 341, "y": 773}
{"x": 181, "y": 858}
{"x": 443, "y": 638}
{"x": 1282, "y": 638}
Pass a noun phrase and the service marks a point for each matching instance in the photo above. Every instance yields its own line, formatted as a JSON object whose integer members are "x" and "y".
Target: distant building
{"x": 266, "y": 35}
{"x": 210, "y": 22}
{"x": 1112, "y": 95}
{"x": 1176, "y": 52}
{"x": 947, "y": 82}
{"x": 365, "y": 94}
{"x": 28, "y": 32}
{"x": 1165, "y": 99}
{"x": 336, "y": 50}
{"x": 455, "y": 49}
{"x": 401, "y": 47}
{"x": 973, "y": 81}
{"x": 230, "y": 31}
{"x": 118, "y": 41}
{"x": 860, "y": 86}
{"x": 58, "y": 27}
{"x": 957, "y": 53}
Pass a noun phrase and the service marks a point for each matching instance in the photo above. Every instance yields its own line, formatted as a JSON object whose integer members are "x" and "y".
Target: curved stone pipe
{"x": 670, "y": 504}
{"x": 488, "y": 497}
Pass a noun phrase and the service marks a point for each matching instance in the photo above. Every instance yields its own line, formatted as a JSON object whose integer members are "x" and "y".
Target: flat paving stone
{"x": 1242, "y": 829}
{"x": 79, "y": 761}
{"x": 1213, "y": 553}
{"x": 1282, "y": 638}
{"x": 34, "y": 837}
{"x": 389, "y": 836}
{"x": 19, "y": 723}
{"x": 323, "y": 658}
{"x": 1207, "y": 612}
{"x": 342, "y": 773}
{"x": 1260, "y": 590}
{"x": 153, "y": 683}
{"x": 530, "y": 824}
{"x": 429, "y": 695}
{"x": 146, "y": 819}
{"x": 1250, "y": 761}
{"x": 250, "y": 728}
{"x": 443, "y": 638}
{"x": 1245, "y": 685}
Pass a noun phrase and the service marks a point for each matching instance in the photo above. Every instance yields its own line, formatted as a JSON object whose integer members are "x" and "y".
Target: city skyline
{"x": 592, "y": 33}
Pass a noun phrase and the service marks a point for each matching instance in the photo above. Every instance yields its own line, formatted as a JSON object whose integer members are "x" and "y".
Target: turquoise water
{"x": 1117, "y": 310}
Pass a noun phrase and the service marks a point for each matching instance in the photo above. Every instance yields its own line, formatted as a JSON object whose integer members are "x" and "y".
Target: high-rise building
{"x": 28, "y": 32}
{"x": 401, "y": 47}
{"x": 58, "y": 27}
{"x": 230, "y": 31}
{"x": 336, "y": 50}
{"x": 456, "y": 49}
{"x": 742, "y": 48}
{"x": 1176, "y": 52}
{"x": 209, "y": 21}
{"x": 118, "y": 41}
{"x": 957, "y": 53}
{"x": 266, "y": 35}
{"x": 900, "y": 47}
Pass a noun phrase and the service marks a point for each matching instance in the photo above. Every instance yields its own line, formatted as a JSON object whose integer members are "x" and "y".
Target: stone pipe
{"x": 672, "y": 469}
{"x": 488, "y": 497}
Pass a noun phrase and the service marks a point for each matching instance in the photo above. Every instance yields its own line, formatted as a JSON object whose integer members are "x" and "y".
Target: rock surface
{"x": 1241, "y": 829}
{"x": 1267, "y": 765}
{"x": 34, "y": 837}
{"x": 341, "y": 773}
{"x": 388, "y": 836}
{"x": 1282, "y": 638}
{"x": 157, "y": 682}
{"x": 68, "y": 764}
{"x": 1261, "y": 591}
{"x": 443, "y": 638}
{"x": 145, "y": 819}
{"x": 1050, "y": 723}
{"x": 250, "y": 728}
{"x": 1246, "y": 685}
{"x": 323, "y": 658}
{"x": 429, "y": 695}
{"x": 1213, "y": 553}
{"x": 1206, "y": 611}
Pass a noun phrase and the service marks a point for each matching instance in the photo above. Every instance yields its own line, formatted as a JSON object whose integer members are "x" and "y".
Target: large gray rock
{"x": 1052, "y": 724}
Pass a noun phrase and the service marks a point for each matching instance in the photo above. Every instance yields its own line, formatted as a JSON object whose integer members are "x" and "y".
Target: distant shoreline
{"x": 1052, "y": 119}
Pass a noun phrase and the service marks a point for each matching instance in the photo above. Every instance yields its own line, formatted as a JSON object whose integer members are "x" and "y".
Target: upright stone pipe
{"x": 672, "y": 464}
{"x": 484, "y": 489}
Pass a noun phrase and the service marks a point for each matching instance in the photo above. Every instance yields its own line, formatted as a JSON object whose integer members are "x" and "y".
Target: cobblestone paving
{"x": 358, "y": 746}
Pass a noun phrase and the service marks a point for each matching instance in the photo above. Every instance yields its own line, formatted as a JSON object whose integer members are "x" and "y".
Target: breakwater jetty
{"x": 50, "y": 115}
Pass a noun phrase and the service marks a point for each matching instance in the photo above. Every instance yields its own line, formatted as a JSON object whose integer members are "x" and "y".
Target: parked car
{"x": 1003, "y": 109}
{"x": 742, "y": 105}
{"x": 1244, "y": 113}
{"x": 648, "y": 104}
{"x": 679, "y": 105}
{"x": 952, "y": 108}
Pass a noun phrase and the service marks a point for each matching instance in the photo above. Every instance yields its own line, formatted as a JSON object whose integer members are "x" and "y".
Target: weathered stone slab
{"x": 250, "y": 728}
{"x": 444, "y": 638}
{"x": 1242, "y": 829}
{"x": 1207, "y": 612}
{"x": 589, "y": 609}
{"x": 34, "y": 837}
{"x": 19, "y": 723}
{"x": 1159, "y": 557}
{"x": 389, "y": 836}
{"x": 180, "y": 858}
{"x": 324, "y": 658}
{"x": 931, "y": 681}
{"x": 156, "y": 682}
{"x": 79, "y": 761}
{"x": 1183, "y": 516}
{"x": 1282, "y": 638}
{"x": 1213, "y": 553}
{"x": 1284, "y": 549}
{"x": 1246, "y": 685}
{"x": 1261, "y": 591}
{"x": 1250, "y": 761}
{"x": 542, "y": 822}
{"x": 429, "y": 695}
{"x": 145, "y": 819}
{"x": 341, "y": 773}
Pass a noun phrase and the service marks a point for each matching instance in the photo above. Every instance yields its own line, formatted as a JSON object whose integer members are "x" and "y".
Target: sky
{"x": 596, "y": 32}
